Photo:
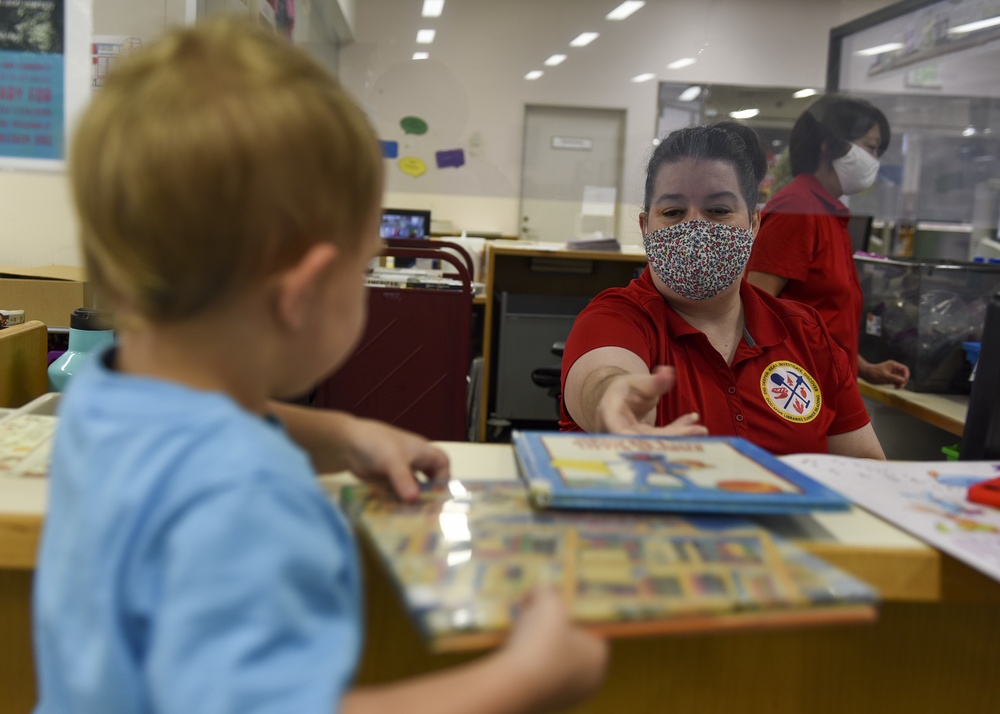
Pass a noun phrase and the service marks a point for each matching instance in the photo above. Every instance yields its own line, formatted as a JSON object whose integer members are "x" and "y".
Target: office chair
{"x": 550, "y": 376}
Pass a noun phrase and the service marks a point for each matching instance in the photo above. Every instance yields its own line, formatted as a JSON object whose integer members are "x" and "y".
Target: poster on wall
{"x": 106, "y": 50}
{"x": 44, "y": 79}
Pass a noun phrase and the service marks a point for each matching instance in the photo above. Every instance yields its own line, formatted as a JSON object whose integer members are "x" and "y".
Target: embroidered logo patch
{"x": 791, "y": 391}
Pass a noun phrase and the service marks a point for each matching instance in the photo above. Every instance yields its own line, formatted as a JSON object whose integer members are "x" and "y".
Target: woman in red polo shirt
{"x": 741, "y": 362}
{"x": 803, "y": 250}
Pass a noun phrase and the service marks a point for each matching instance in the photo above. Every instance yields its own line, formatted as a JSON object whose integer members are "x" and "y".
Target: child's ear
{"x": 300, "y": 284}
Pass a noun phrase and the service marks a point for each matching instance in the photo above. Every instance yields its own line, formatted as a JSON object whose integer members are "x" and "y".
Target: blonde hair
{"x": 212, "y": 158}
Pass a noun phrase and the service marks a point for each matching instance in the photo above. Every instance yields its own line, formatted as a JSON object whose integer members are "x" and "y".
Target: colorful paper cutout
{"x": 390, "y": 149}
{"x": 450, "y": 158}
{"x": 413, "y": 125}
{"x": 412, "y": 166}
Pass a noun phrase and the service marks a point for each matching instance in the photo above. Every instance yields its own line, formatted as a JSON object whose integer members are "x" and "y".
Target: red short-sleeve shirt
{"x": 803, "y": 237}
{"x": 789, "y": 386}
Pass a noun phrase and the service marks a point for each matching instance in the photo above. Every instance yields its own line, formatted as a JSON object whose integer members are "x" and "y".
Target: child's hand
{"x": 561, "y": 662}
{"x": 380, "y": 453}
{"x": 372, "y": 450}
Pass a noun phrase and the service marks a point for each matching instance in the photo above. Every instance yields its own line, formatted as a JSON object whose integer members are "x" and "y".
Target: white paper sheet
{"x": 925, "y": 498}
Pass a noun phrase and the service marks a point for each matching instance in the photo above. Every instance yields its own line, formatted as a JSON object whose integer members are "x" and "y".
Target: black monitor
{"x": 860, "y": 228}
{"x": 405, "y": 223}
{"x": 981, "y": 437}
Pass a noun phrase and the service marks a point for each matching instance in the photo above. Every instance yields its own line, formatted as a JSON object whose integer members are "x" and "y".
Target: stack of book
{"x": 466, "y": 553}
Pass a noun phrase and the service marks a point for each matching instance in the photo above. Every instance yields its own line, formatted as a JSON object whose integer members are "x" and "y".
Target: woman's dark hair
{"x": 835, "y": 120}
{"x": 728, "y": 141}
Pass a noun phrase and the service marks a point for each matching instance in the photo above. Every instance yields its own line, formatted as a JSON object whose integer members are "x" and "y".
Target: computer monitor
{"x": 981, "y": 437}
{"x": 860, "y": 228}
{"x": 405, "y": 223}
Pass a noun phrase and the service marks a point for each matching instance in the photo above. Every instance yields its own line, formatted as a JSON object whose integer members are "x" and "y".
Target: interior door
{"x": 571, "y": 172}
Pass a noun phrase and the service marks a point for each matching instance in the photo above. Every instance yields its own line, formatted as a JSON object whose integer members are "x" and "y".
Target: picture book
{"x": 465, "y": 554}
{"x": 664, "y": 473}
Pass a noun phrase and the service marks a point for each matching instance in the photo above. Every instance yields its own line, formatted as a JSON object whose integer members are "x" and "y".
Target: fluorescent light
{"x": 744, "y": 113}
{"x": 690, "y": 94}
{"x": 682, "y": 62}
{"x": 969, "y": 131}
{"x": 645, "y": 77}
{"x": 803, "y": 93}
{"x": 554, "y": 60}
{"x": 583, "y": 39}
{"x": 534, "y": 74}
{"x": 880, "y": 49}
{"x": 420, "y": 55}
{"x": 432, "y": 8}
{"x": 624, "y": 10}
{"x": 973, "y": 26}
{"x": 425, "y": 37}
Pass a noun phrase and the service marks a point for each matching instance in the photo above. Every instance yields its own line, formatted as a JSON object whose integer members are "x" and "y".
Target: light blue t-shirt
{"x": 189, "y": 562}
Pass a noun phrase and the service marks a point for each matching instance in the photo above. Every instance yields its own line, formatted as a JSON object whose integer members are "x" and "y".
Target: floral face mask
{"x": 698, "y": 259}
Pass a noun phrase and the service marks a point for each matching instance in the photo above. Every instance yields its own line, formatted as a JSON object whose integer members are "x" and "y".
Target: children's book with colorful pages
{"x": 662, "y": 473}
{"x": 465, "y": 554}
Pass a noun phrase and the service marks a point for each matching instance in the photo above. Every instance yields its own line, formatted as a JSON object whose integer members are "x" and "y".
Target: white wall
{"x": 477, "y": 96}
{"x": 472, "y": 92}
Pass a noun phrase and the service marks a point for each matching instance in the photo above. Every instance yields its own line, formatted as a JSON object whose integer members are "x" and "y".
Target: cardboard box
{"x": 49, "y": 293}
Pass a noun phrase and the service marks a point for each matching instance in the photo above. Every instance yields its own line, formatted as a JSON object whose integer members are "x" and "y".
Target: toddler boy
{"x": 228, "y": 192}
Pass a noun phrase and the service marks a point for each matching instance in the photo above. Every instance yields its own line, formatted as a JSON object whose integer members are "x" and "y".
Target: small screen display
{"x": 398, "y": 223}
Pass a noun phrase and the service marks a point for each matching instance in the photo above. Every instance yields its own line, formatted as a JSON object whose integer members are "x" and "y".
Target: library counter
{"x": 933, "y": 648}
{"x": 945, "y": 411}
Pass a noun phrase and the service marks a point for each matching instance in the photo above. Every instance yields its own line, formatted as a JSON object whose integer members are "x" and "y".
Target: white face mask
{"x": 856, "y": 170}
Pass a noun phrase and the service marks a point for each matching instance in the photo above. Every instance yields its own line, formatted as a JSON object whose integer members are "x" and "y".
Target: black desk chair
{"x": 550, "y": 376}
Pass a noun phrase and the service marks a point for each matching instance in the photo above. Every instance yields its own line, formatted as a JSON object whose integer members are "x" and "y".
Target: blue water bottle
{"x": 89, "y": 331}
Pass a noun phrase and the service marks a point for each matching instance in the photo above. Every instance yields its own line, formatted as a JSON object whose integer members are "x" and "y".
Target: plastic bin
{"x": 920, "y": 312}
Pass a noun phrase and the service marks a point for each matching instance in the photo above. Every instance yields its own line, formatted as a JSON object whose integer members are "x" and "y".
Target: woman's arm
{"x": 860, "y": 443}
{"x": 611, "y": 390}
{"x": 768, "y": 282}
{"x": 889, "y": 372}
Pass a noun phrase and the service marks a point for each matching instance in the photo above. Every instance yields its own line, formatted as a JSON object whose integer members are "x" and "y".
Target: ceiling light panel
{"x": 584, "y": 39}
{"x": 420, "y": 55}
{"x": 681, "y": 63}
{"x": 432, "y": 8}
{"x": 745, "y": 113}
{"x": 880, "y": 49}
{"x": 644, "y": 77}
{"x": 803, "y": 93}
{"x": 425, "y": 37}
{"x": 973, "y": 26}
{"x": 624, "y": 10}
{"x": 554, "y": 60}
{"x": 690, "y": 94}
{"x": 534, "y": 74}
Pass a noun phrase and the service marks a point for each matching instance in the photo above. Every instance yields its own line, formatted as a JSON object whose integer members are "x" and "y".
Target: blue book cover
{"x": 663, "y": 473}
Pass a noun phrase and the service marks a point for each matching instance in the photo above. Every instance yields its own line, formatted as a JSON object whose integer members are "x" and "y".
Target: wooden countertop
{"x": 901, "y": 567}
{"x": 945, "y": 411}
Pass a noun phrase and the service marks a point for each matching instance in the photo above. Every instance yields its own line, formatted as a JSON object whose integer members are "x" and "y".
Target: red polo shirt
{"x": 803, "y": 237}
{"x": 789, "y": 386}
